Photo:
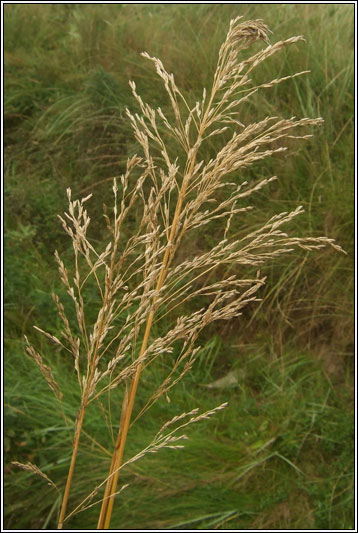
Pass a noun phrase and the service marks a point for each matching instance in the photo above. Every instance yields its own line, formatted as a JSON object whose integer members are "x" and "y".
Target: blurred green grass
{"x": 281, "y": 455}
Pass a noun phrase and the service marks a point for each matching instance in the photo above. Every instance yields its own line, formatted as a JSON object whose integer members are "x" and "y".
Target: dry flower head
{"x": 142, "y": 280}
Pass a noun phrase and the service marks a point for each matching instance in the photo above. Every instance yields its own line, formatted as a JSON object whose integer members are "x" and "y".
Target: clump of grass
{"x": 142, "y": 282}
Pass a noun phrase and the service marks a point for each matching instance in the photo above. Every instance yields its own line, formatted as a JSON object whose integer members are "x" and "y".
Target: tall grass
{"x": 66, "y": 125}
{"x": 144, "y": 279}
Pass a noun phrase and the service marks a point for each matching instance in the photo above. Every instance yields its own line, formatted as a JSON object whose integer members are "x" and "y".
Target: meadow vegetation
{"x": 280, "y": 455}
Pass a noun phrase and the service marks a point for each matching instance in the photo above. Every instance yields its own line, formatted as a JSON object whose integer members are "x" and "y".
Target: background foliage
{"x": 280, "y": 456}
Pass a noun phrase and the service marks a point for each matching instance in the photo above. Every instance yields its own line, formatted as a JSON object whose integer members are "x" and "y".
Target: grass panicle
{"x": 143, "y": 283}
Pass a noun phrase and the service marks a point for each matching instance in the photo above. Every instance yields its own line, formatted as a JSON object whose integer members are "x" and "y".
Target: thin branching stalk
{"x": 252, "y": 31}
{"x": 107, "y": 506}
{"x": 79, "y": 423}
{"x": 143, "y": 279}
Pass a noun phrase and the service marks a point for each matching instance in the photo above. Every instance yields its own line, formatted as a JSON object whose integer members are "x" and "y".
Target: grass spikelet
{"x": 45, "y": 369}
{"x": 35, "y": 470}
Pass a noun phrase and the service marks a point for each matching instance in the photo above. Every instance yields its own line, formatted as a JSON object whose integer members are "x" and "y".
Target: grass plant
{"x": 183, "y": 252}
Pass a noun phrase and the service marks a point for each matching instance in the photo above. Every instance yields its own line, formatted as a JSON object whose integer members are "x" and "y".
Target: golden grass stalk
{"x": 142, "y": 279}
{"x": 229, "y": 77}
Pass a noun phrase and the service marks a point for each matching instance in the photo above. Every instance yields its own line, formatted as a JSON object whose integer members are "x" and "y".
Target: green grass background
{"x": 281, "y": 455}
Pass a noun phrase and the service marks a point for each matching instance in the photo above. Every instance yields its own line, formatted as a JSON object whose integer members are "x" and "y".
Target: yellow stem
{"x": 72, "y": 465}
{"x": 79, "y": 424}
{"x": 107, "y": 503}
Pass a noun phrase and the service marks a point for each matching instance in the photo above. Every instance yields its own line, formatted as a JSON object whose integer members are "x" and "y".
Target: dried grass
{"x": 142, "y": 279}
{"x": 35, "y": 470}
